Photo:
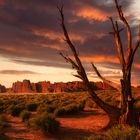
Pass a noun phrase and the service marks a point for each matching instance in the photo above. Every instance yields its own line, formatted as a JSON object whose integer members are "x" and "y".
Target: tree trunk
{"x": 128, "y": 113}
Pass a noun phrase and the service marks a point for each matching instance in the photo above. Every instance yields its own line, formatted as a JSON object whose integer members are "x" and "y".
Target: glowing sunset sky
{"x": 31, "y": 39}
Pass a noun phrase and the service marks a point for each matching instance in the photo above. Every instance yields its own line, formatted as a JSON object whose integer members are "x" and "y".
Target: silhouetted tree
{"x": 126, "y": 114}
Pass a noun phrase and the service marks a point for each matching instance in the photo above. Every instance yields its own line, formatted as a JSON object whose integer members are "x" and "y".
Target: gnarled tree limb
{"x": 114, "y": 85}
{"x": 81, "y": 72}
{"x": 123, "y": 19}
{"x": 118, "y": 42}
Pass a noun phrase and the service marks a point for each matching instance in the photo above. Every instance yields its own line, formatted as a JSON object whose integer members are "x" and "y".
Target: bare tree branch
{"x": 136, "y": 46}
{"x": 68, "y": 59}
{"x": 116, "y": 86}
{"x": 118, "y": 42}
{"x": 78, "y": 76}
{"x": 81, "y": 72}
{"x": 123, "y": 19}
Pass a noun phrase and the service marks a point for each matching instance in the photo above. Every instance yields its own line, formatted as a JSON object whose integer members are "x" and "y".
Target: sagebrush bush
{"x": 71, "y": 109}
{"x": 4, "y": 125}
{"x": 67, "y": 110}
{"x": 3, "y": 122}
{"x": 60, "y": 111}
{"x": 123, "y": 133}
{"x": 3, "y": 118}
{"x": 4, "y": 137}
{"x": 15, "y": 110}
{"x": 1, "y": 109}
{"x": 25, "y": 115}
{"x": 89, "y": 103}
{"x": 31, "y": 106}
{"x": 98, "y": 137}
{"x": 82, "y": 105}
{"x": 46, "y": 108}
{"x": 47, "y": 123}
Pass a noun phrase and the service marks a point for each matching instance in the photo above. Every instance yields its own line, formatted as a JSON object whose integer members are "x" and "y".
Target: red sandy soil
{"x": 75, "y": 127}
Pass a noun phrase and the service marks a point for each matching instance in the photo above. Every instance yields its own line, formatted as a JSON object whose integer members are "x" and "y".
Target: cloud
{"x": 30, "y": 32}
{"x": 92, "y": 13}
{"x": 17, "y": 72}
{"x": 103, "y": 58}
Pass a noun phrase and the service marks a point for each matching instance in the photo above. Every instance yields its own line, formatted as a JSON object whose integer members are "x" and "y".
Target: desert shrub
{"x": 4, "y": 137}
{"x": 71, "y": 109}
{"x": 89, "y": 103}
{"x": 31, "y": 106}
{"x": 3, "y": 122}
{"x": 25, "y": 115}
{"x": 98, "y": 137}
{"x": 82, "y": 105}
{"x": 60, "y": 111}
{"x": 1, "y": 109}
{"x": 47, "y": 123}
{"x": 15, "y": 110}
{"x": 123, "y": 133}
{"x": 46, "y": 108}
{"x": 4, "y": 125}
{"x": 67, "y": 110}
{"x": 3, "y": 118}
{"x": 137, "y": 105}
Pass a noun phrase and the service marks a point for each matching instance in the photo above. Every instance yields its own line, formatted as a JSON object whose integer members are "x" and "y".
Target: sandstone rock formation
{"x": 45, "y": 87}
{"x": 22, "y": 87}
{"x": 2, "y": 89}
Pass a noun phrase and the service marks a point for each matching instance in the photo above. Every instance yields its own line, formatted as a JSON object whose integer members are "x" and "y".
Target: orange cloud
{"x": 137, "y": 66}
{"x": 54, "y": 46}
{"x": 58, "y": 36}
{"x": 91, "y": 13}
{"x": 14, "y": 49}
{"x": 97, "y": 59}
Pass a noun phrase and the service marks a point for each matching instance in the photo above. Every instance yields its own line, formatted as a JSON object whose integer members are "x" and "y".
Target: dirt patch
{"x": 18, "y": 131}
{"x": 75, "y": 127}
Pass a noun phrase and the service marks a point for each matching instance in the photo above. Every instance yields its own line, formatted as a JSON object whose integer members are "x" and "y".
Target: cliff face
{"x": 2, "y": 89}
{"x": 22, "y": 87}
{"x": 45, "y": 87}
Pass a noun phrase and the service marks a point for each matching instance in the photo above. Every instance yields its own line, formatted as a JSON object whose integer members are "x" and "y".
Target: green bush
{"x": 46, "y": 123}
{"x": 4, "y": 125}
{"x": 67, "y": 110}
{"x": 71, "y": 109}
{"x": 25, "y": 115}
{"x": 89, "y": 103}
{"x": 60, "y": 111}
{"x": 1, "y": 109}
{"x": 82, "y": 105}
{"x": 32, "y": 106}
{"x": 3, "y": 118}
{"x": 123, "y": 133}
{"x": 46, "y": 108}
{"x": 15, "y": 110}
{"x": 4, "y": 137}
{"x": 98, "y": 137}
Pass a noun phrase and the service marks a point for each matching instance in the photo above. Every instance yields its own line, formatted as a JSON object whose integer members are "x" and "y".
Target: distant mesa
{"x": 2, "y": 89}
{"x": 46, "y": 87}
{"x": 58, "y": 87}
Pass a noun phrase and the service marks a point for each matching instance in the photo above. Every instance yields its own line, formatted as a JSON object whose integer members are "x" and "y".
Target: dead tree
{"x": 126, "y": 113}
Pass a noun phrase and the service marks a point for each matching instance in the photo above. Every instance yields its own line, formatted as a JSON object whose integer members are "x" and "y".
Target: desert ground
{"x": 80, "y": 125}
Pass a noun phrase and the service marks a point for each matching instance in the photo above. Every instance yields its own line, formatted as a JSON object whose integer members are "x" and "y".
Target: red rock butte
{"x": 46, "y": 87}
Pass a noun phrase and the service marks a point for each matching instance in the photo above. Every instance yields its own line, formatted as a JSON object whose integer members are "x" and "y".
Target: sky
{"x": 31, "y": 39}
